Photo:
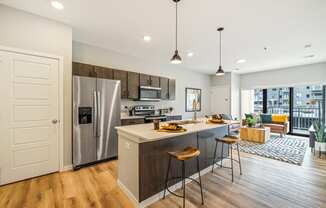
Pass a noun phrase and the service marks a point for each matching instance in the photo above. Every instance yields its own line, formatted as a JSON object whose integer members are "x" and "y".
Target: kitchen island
{"x": 143, "y": 157}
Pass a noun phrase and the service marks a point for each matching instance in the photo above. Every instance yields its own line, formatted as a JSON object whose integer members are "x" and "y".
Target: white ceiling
{"x": 283, "y": 26}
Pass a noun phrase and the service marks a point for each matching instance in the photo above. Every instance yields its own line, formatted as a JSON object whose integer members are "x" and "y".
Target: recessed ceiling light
{"x": 190, "y": 54}
{"x": 147, "y": 38}
{"x": 241, "y": 61}
{"x": 309, "y": 56}
{"x": 307, "y": 46}
{"x": 57, "y": 5}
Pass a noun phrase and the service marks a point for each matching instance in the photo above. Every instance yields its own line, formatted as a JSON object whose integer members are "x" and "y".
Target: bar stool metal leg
{"x": 214, "y": 158}
{"x": 239, "y": 159}
{"x": 222, "y": 156}
{"x": 230, "y": 149}
{"x": 201, "y": 188}
{"x": 167, "y": 177}
{"x": 184, "y": 182}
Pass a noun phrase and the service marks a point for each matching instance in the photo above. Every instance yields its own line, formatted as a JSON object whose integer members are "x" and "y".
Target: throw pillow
{"x": 266, "y": 118}
{"x": 280, "y": 118}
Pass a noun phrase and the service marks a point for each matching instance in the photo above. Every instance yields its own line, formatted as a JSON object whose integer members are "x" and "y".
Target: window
{"x": 277, "y": 103}
{"x": 258, "y": 102}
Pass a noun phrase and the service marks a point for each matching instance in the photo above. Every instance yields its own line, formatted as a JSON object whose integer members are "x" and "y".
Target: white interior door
{"x": 29, "y": 112}
{"x": 220, "y": 100}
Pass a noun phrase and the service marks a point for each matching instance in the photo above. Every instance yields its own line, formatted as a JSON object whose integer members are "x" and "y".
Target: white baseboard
{"x": 128, "y": 193}
{"x": 158, "y": 196}
{"x": 66, "y": 168}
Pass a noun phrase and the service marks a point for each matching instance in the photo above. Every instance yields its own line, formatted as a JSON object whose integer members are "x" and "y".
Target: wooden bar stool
{"x": 183, "y": 155}
{"x": 229, "y": 140}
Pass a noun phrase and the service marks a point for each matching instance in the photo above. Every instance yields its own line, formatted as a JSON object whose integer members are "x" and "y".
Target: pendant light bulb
{"x": 176, "y": 58}
{"x": 220, "y": 71}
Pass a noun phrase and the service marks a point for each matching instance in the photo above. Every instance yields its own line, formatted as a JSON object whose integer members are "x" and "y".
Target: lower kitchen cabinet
{"x": 132, "y": 121}
{"x": 174, "y": 118}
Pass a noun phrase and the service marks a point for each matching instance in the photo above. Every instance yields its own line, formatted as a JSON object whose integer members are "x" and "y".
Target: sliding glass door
{"x": 303, "y": 105}
{"x": 308, "y": 102}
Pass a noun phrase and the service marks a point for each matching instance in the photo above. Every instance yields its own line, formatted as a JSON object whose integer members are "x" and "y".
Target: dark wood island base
{"x": 143, "y": 164}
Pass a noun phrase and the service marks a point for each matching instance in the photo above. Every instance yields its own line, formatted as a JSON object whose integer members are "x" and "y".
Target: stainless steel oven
{"x": 149, "y": 93}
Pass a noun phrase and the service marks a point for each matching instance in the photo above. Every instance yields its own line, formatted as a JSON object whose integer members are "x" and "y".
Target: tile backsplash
{"x": 158, "y": 105}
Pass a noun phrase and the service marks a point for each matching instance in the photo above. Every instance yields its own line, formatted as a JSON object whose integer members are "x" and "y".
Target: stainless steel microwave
{"x": 147, "y": 93}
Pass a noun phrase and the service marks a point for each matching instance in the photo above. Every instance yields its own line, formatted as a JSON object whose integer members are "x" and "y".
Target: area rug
{"x": 288, "y": 149}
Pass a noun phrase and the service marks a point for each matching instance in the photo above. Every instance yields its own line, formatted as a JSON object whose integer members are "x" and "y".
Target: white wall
{"x": 225, "y": 94}
{"x": 235, "y": 95}
{"x": 184, "y": 78}
{"x": 287, "y": 77}
{"x": 30, "y": 32}
{"x": 247, "y": 104}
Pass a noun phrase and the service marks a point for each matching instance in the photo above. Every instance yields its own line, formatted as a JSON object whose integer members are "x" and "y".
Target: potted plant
{"x": 319, "y": 128}
{"x": 320, "y": 143}
{"x": 251, "y": 121}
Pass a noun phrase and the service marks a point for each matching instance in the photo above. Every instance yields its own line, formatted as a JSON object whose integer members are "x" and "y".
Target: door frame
{"x": 60, "y": 95}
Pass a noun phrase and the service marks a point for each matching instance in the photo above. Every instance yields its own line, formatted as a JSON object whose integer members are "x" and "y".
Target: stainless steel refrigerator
{"x": 96, "y": 111}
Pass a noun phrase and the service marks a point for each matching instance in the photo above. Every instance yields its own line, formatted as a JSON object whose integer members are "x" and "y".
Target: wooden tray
{"x": 216, "y": 122}
{"x": 172, "y": 131}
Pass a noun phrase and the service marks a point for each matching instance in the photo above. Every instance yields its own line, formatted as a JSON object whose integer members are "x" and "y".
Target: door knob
{"x": 54, "y": 121}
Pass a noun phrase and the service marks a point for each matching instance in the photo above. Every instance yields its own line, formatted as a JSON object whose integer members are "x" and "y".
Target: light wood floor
{"x": 265, "y": 183}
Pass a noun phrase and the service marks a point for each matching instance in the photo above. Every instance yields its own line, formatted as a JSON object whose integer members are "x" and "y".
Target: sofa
{"x": 278, "y": 123}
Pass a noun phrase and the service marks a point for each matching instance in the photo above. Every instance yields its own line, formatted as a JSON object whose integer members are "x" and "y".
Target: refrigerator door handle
{"x": 98, "y": 113}
{"x": 95, "y": 114}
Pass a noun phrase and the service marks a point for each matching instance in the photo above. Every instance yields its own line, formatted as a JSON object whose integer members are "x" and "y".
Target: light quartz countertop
{"x": 131, "y": 117}
{"x": 145, "y": 132}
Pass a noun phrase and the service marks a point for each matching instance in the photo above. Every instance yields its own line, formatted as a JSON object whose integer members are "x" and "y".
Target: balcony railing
{"x": 303, "y": 117}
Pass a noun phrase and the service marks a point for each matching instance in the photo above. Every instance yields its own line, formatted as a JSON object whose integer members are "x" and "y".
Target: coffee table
{"x": 252, "y": 134}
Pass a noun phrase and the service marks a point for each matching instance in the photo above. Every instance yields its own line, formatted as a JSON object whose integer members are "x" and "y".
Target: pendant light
{"x": 176, "y": 59}
{"x": 220, "y": 71}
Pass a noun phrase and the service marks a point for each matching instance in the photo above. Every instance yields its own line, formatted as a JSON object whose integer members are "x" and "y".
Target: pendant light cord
{"x": 176, "y": 26}
{"x": 220, "y": 48}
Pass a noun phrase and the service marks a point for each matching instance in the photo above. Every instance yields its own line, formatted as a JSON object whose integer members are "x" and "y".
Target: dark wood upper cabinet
{"x": 171, "y": 89}
{"x": 81, "y": 69}
{"x": 164, "y": 84}
{"x": 123, "y": 77}
{"x": 155, "y": 81}
{"x": 103, "y": 72}
{"x": 145, "y": 80}
{"x": 133, "y": 85}
{"x": 130, "y": 81}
